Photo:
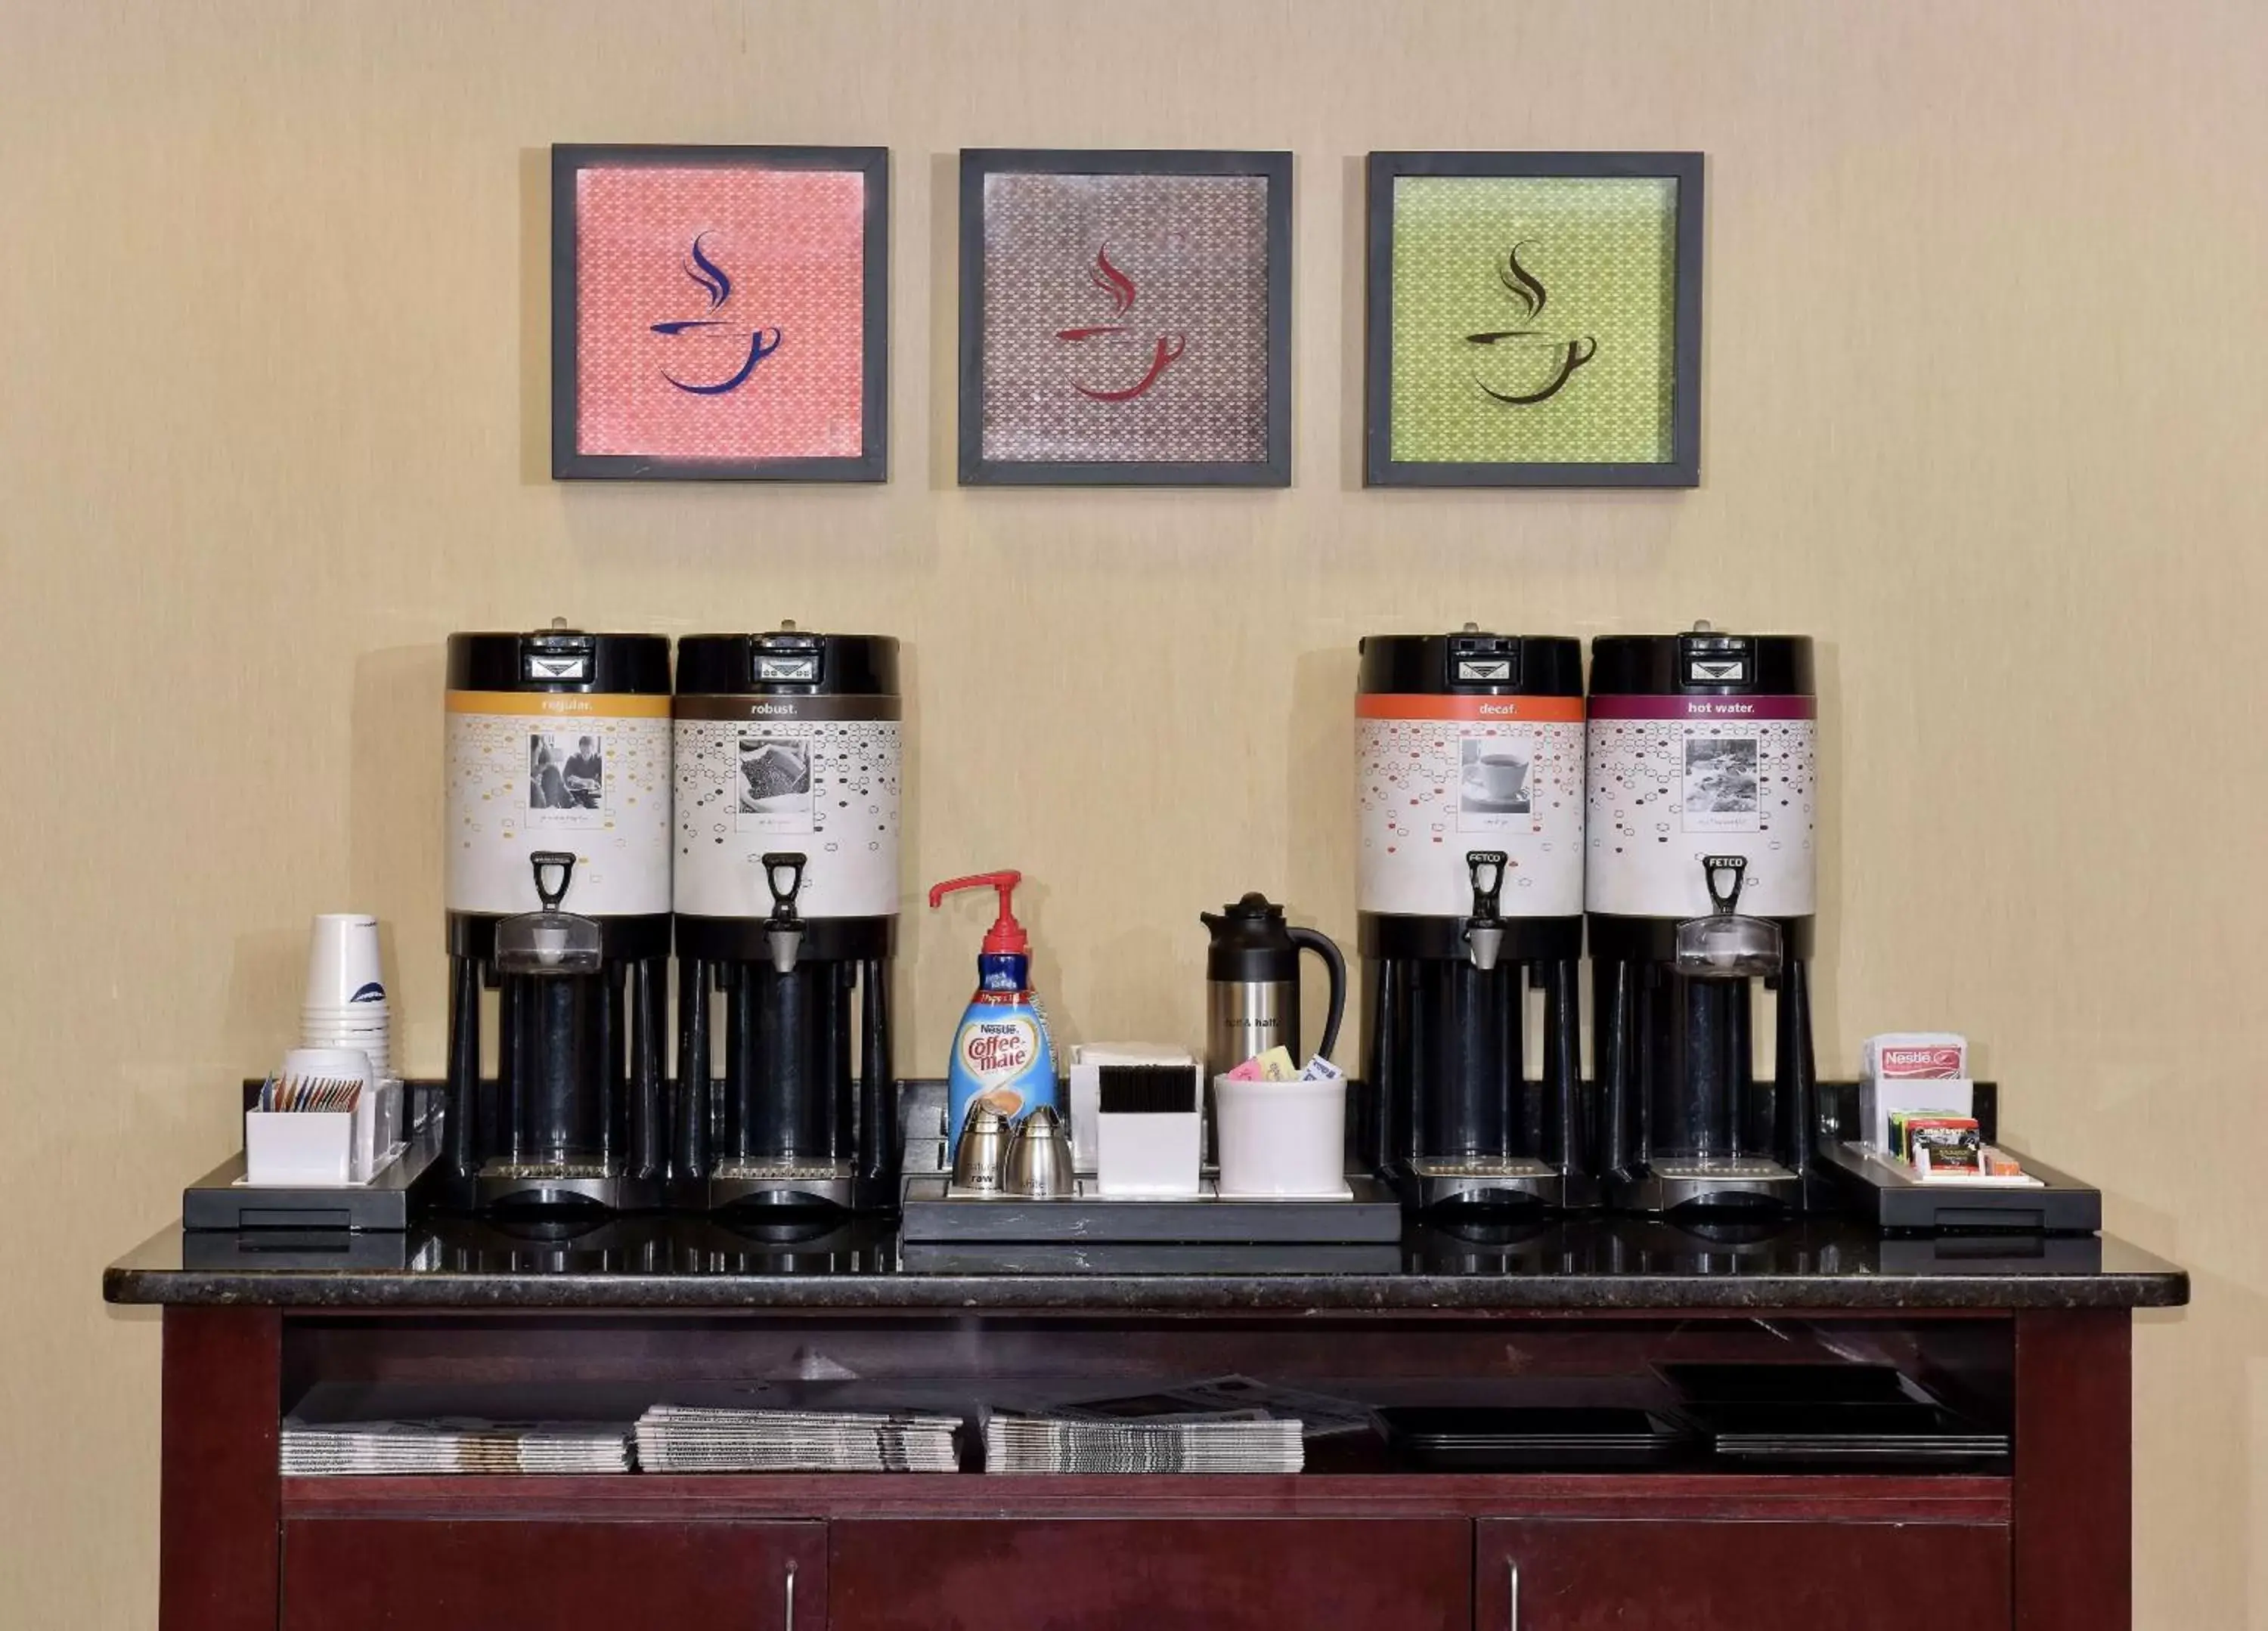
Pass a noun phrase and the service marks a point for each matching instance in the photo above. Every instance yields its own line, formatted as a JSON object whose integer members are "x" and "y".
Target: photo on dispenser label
{"x": 566, "y": 779}
{"x": 1721, "y": 792}
{"x": 774, "y": 792}
{"x": 1495, "y": 793}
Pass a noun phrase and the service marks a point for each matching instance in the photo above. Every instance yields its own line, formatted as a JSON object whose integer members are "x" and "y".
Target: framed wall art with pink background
{"x": 719, "y": 313}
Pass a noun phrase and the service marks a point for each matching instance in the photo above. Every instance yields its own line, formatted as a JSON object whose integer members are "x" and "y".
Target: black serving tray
{"x": 392, "y": 1200}
{"x": 1790, "y": 1383}
{"x": 1372, "y": 1217}
{"x": 1878, "y": 1193}
{"x": 1908, "y": 1433}
{"x": 1519, "y": 1438}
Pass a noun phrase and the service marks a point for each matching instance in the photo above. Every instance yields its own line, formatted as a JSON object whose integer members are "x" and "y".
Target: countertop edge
{"x": 1129, "y": 1294}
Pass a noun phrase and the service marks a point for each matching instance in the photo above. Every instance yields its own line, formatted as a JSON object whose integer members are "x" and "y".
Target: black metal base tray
{"x": 1373, "y": 1216}
{"x": 390, "y": 1202}
{"x": 1528, "y": 1438}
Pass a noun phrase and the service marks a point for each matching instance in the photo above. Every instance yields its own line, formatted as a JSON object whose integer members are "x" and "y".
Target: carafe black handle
{"x": 1322, "y": 945}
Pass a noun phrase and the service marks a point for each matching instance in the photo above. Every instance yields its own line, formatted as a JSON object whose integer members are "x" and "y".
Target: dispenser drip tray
{"x": 548, "y": 1171}
{"x": 1728, "y": 1181}
{"x": 1483, "y": 1166}
{"x": 1490, "y": 1181}
{"x": 755, "y": 1171}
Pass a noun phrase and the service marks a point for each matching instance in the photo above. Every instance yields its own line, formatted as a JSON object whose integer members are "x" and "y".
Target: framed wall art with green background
{"x": 1534, "y": 321}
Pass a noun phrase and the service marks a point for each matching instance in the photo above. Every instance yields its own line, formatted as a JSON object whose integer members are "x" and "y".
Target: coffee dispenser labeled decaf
{"x": 788, "y": 766}
{"x": 557, "y": 890}
{"x": 1469, "y": 767}
{"x": 1701, "y": 887}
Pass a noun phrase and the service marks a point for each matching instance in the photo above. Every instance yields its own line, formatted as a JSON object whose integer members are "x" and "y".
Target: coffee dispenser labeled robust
{"x": 789, "y": 760}
{"x": 1469, "y": 769}
{"x": 1702, "y": 883}
{"x": 557, "y": 889}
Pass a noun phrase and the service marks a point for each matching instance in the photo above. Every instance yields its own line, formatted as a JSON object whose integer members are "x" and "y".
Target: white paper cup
{"x": 342, "y": 962}
{"x": 1281, "y": 1138}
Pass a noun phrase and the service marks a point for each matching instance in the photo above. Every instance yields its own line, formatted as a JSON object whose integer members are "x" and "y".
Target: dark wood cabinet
{"x": 507, "y": 1575}
{"x": 1224, "y": 1574}
{"x": 1562, "y": 1574}
{"x": 1356, "y": 1541}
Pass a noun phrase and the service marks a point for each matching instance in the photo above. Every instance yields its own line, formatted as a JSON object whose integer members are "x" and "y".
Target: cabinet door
{"x": 1225, "y": 1574}
{"x": 503, "y": 1575}
{"x": 1569, "y": 1574}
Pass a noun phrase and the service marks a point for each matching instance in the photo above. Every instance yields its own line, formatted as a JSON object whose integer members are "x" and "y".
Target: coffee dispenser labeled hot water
{"x": 557, "y": 890}
{"x": 788, "y": 766}
{"x": 1702, "y": 886}
{"x": 1469, "y": 770}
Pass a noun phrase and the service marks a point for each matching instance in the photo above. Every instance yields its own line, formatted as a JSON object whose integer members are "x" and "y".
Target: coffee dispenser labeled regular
{"x": 788, "y": 765}
{"x": 557, "y": 889}
{"x": 1701, "y": 885}
{"x": 1469, "y": 898}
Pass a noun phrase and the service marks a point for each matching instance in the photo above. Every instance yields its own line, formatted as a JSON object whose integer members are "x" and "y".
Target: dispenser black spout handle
{"x": 1487, "y": 868}
{"x": 1724, "y": 875}
{"x": 549, "y": 861}
{"x": 783, "y": 875}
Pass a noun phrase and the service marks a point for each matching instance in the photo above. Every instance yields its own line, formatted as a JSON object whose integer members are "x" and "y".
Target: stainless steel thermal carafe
{"x": 1252, "y": 984}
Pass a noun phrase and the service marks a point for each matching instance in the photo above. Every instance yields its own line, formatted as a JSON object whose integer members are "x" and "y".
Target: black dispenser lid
{"x": 1702, "y": 662}
{"x": 560, "y": 658}
{"x": 1250, "y": 941}
{"x": 1471, "y": 663}
{"x": 787, "y": 661}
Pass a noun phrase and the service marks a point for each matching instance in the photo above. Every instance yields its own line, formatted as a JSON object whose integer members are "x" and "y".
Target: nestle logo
{"x": 1927, "y": 1063}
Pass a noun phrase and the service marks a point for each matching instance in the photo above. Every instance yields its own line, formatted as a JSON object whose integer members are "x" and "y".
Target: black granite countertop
{"x": 691, "y": 1262}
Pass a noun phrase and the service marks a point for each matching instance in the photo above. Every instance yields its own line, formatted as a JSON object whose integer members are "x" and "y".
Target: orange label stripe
{"x": 1540, "y": 709}
{"x": 561, "y": 704}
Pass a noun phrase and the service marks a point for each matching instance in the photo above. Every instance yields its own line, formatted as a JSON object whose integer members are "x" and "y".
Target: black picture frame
{"x": 1682, "y": 469}
{"x": 1274, "y": 469}
{"x": 569, "y": 463}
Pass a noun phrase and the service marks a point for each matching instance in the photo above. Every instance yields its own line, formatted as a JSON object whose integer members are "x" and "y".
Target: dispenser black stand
{"x": 803, "y": 1115}
{"x": 1687, "y": 1123}
{"x": 1454, "y": 1119}
{"x": 573, "y": 1115}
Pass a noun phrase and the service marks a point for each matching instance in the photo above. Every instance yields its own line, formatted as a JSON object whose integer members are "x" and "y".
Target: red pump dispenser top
{"x": 1007, "y": 937}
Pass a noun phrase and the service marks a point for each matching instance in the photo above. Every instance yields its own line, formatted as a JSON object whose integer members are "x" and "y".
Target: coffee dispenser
{"x": 557, "y": 882}
{"x": 788, "y": 758}
{"x": 1252, "y": 984}
{"x": 1701, "y": 886}
{"x": 1469, "y": 899}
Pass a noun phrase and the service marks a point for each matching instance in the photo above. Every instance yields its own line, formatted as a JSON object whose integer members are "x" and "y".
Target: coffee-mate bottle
{"x": 1002, "y": 1053}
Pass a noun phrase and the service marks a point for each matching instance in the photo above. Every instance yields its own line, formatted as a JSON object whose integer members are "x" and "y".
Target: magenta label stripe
{"x": 1703, "y": 708}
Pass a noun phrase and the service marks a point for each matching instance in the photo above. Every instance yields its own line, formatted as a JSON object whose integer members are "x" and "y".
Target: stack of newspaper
{"x": 1244, "y": 1442}
{"x": 678, "y": 1438}
{"x": 452, "y": 1445}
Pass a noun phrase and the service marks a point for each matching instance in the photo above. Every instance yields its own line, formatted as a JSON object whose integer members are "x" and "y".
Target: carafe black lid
{"x": 1702, "y": 662}
{"x": 560, "y": 658}
{"x": 1471, "y": 663}
{"x": 1250, "y": 941}
{"x": 787, "y": 661}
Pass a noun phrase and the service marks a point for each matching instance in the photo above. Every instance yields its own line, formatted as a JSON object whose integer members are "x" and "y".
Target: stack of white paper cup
{"x": 346, "y": 1004}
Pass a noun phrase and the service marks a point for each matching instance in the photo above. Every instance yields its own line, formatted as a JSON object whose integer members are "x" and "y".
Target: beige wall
{"x": 1983, "y": 413}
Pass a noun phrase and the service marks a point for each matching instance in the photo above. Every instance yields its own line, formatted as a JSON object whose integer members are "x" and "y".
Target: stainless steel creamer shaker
{"x": 1252, "y": 984}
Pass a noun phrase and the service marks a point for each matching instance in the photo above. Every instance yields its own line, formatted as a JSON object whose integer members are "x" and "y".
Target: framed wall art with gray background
{"x": 1125, "y": 318}
{"x": 1533, "y": 320}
